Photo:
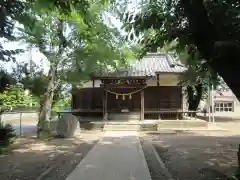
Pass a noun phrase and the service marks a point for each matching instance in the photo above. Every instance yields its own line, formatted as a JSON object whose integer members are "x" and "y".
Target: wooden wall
{"x": 116, "y": 104}
{"x": 162, "y": 97}
{"x": 87, "y": 98}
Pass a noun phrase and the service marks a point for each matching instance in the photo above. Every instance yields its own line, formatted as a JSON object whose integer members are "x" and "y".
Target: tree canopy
{"x": 193, "y": 24}
{"x": 75, "y": 41}
{"x": 15, "y": 95}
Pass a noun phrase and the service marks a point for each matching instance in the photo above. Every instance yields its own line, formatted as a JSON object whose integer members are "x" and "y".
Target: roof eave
{"x": 123, "y": 77}
{"x": 158, "y": 72}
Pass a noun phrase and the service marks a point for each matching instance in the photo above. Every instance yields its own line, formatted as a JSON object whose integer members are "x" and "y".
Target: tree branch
{"x": 204, "y": 34}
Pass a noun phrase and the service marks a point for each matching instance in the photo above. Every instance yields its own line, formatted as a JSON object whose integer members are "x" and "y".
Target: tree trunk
{"x": 46, "y": 105}
{"x": 43, "y": 128}
{"x": 194, "y": 99}
{"x": 222, "y": 56}
{"x": 238, "y": 168}
{"x": 226, "y": 63}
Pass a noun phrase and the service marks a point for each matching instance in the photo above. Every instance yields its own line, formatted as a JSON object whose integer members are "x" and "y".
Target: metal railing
{"x": 24, "y": 120}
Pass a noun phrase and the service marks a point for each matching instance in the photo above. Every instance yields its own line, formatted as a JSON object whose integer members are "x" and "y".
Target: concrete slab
{"x": 118, "y": 156}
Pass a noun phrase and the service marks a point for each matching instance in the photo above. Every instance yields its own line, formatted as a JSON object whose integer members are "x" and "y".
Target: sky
{"x": 23, "y": 57}
{"x": 37, "y": 56}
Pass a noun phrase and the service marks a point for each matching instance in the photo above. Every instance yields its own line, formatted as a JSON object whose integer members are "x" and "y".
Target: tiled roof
{"x": 223, "y": 93}
{"x": 149, "y": 65}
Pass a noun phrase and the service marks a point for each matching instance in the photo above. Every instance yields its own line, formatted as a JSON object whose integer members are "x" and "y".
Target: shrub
{"x": 6, "y": 135}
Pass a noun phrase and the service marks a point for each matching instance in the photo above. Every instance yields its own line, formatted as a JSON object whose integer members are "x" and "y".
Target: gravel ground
{"x": 195, "y": 157}
{"x": 57, "y": 157}
{"x": 67, "y": 162}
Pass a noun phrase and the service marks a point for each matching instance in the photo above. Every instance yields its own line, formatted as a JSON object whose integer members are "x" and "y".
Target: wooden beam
{"x": 124, "y": 82}
{"x": 126, "y": 86}
{"x": 142, "y": 105}
{"x": 109, "y": 86}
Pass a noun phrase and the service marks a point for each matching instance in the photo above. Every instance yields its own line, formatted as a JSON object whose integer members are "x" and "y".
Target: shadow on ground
{"x": 57, "y": 156}
{"x": 191, "y": 157}
{"x": 222, "y": 118}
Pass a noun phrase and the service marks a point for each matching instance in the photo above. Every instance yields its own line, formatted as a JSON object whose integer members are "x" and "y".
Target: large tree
{"x": 198, "y": 76}
{"x": 71, "y": 45}
{"x": 32, "y": 77}
{"x": 197, "y": 79}
{"x": 211, "y": 26}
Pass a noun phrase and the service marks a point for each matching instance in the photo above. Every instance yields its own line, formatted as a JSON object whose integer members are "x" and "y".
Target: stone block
{"x": 67, "y": 125}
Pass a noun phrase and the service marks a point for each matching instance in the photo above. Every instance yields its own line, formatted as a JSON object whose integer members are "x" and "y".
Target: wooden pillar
{"x": 74, "y": 100}
{"x": 158, "y": 98}
{"x": 142, "y": 105}
{"x": 103, "y": 102}
{"x": 158, "y": 80}
{"x": 182, "y": 101}
{"x": 91, "y": 98}
{"x": 106, "y": 106}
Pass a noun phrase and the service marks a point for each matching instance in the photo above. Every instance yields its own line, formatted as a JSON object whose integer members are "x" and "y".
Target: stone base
{"x": 124, "y": 116}
{"x": 67, "y": 125}
{"x": 181, "y": 124}
{"x": 147, "y": 125}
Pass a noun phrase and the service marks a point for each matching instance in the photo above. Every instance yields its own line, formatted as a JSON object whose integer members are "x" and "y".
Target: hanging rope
{"x": 125, "y": 94}
{"x": 128, "y": 94}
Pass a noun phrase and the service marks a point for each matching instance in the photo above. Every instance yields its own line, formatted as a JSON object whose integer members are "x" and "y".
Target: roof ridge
{"x": 174, "y": 61}
{"x": 149, "y": 65}
{"x": 156, "y": 53}
{"x": 170, "y": 60}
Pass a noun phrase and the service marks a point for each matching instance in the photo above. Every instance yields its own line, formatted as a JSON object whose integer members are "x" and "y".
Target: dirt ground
{"x": 193, "y": 156}
{"x": 30, "y": 158}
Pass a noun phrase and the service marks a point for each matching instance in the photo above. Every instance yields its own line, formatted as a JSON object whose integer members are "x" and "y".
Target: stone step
{"x": 182, "y": 124}
{"x": 124, "y": 116}
{"x": 121, "y": 127}
{"x": 144, "y": 126}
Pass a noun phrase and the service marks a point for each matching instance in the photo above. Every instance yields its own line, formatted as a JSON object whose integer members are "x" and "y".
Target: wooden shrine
{"x": 145, "y": 88}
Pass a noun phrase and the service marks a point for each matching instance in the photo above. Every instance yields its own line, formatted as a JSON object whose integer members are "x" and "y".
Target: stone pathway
{"x": 118, "y": 156}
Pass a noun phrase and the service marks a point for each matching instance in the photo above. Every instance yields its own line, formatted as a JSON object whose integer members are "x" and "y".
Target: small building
{"x": 143, "y": 89}
{"x": 225, "y": 102}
